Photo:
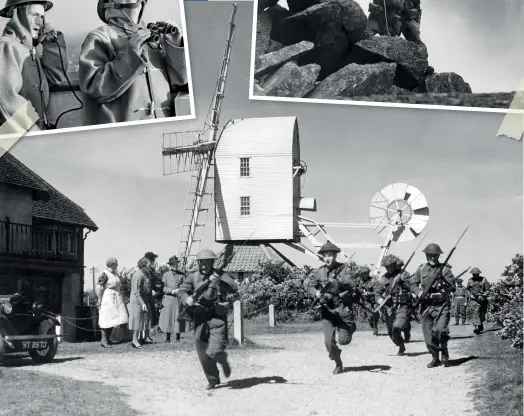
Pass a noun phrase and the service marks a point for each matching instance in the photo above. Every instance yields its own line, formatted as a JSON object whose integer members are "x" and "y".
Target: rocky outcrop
{"x": 446, "y": 82}
{"x": 330, "y": 39}
{"x": 357, "y": 80}
{"x": 291, "y": 80}
{"x": 270, "y": 61}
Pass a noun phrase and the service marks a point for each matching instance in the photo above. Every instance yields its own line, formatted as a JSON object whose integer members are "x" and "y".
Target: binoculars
{"x": 160, "y": 28}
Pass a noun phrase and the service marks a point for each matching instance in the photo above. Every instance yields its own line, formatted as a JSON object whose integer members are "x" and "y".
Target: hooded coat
{"x": 122, "y": 85}
{"x": 24, "y": 74}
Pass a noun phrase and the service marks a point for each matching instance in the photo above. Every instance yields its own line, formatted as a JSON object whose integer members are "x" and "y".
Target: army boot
{"x": 476, "y": 330}
{"x": 445, "y": 356}
{"x": 339, "y": 368}
{"x": 407, "y": 336}
{"x": 375, "y": 331}
{"x": 178, "y": 337}
{"x": 464, "y": 321}
{"x": 212, "y": 386}
{"x": 401, "y": 349}
{"x": 456, "y": 322}
{"x": 435, "y": 362}
{"x": 227, "y": 368}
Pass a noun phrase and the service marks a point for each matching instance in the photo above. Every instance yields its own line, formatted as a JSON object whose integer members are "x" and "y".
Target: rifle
{"x": 438, "y": 274}
{"x": 227, "y": 255}
{"x": 399, "y": 276}
{"x": 463, "y": 273}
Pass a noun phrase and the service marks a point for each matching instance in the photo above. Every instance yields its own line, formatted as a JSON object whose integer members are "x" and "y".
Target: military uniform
{"x": 459, "y": 303}
{"x": 478, "y": 290}
{"x": 385, "y": 22}
{"x": 335, "y": 285}
{"x": 397, "y": 309}
{"x": 210, "y": 321}
{"x": 436, "y": 308}
{"x": 367, "y": 289}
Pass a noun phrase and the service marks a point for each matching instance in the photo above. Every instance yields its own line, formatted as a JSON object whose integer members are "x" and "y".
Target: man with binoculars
{"x": 130, "y": 71}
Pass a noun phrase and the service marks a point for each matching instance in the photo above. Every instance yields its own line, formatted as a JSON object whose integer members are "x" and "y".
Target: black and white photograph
{"x": 96, "y": 64}
{"x": 263, "y": 258}
{"x": 410, "y": 53}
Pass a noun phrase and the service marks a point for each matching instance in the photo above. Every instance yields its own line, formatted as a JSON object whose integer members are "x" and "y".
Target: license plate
{"x": 33, "y": 345}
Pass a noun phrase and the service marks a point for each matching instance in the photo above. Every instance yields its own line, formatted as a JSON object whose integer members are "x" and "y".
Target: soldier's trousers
{"x": 459, "y": 309}
{"x": 211, "y": 343}
{"x": 373, "y": 319}
{"x": 435, "y": 327}
{"x": 398, "y": 320}
{"x": 342, "y": 322}
{"x": 478, "y": 311}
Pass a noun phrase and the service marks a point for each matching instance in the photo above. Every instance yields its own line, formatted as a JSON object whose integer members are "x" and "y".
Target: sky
{"x": 481, "y": 40}
{"x": 468, "y": 176}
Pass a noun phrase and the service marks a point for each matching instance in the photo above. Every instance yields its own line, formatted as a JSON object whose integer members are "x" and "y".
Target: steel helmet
{"x": 364, "y": 270}
{"x": 459, "y": 280}
{"x": 206, "y": 254}
{"x": 111, "y": 4}
{"x": 11, "y": 4}
{"x": 329, "y": 247}
{"x": 475, "y": 270}
{"x": 432, "y": 249}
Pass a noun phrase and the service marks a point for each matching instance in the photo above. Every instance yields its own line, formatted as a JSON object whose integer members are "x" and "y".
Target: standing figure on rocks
{"x": 460, "y": 302}
{"x": 397, "y": 307}
{"x": 478, "y": 290}
{"x": 204, "y": 292}
{"x": 435, "y": 306}
{"x": 334, "y": 291}
{"x": 25, "y": 75}
{"x": 367, "y": 287}
{"x": 410, "y": 21}
{"x": 385, "y": 17}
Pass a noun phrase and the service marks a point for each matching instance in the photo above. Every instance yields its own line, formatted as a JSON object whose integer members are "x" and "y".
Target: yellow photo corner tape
{"x": 16, "y": 126}
{"x": 513, "y": 124}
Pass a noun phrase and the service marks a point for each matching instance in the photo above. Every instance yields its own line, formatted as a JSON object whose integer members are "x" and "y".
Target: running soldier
{"x": 333, "y": 289}
{"x": 209, "y": 314}
{"x": 397, "y": 306}
{"x": 478, "y": 291}
{"x": 367, "y": 288}
{"x": 460, "y": 302}
{"x": 435, "y": 305}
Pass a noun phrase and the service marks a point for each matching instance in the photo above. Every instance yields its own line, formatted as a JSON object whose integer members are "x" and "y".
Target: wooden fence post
{"x": 271, "y": 316}
{"x": 238, "y": 323}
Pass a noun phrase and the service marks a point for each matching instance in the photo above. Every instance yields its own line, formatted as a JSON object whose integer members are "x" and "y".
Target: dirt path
{"x": 286, "y": 374}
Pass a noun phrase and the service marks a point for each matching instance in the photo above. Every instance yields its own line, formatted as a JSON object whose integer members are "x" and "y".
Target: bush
{"x": 505, "y": 303}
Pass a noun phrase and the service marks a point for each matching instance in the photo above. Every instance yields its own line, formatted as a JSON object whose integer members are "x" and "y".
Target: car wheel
{"x": 46, "y": 355}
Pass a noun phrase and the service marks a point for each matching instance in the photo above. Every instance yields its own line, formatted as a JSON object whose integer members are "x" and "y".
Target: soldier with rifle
{"x": 203, "y": 293}
{"x": 394, "y": 297}
{"x": 436, "y": 282}
{"x": 478, "y": 290}
{"x": 334, "y": 291}
{"x": 460, "y": 299}
{"x": 367, "y": 286}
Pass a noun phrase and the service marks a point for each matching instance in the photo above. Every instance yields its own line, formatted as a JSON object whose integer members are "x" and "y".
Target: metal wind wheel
{"x": 399, "y": 209}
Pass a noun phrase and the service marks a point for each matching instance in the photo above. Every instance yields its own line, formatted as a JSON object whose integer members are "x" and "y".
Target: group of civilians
{"x": 145, "y": 292}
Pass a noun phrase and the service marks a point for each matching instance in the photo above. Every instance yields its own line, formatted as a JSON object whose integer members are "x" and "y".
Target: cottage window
{"x": 245, "y": 205}
{"x": 244, "y": 166}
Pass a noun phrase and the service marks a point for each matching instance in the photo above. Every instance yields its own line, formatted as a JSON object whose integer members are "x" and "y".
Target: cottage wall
{"x": 16, "y": 203}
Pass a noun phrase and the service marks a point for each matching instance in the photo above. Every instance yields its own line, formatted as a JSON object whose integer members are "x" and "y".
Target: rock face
{"x": 446, "y": 82}
{"x": 333, "y": 25}
{"x": 357, "y": 80}
{"x": 412, "y": 59}
{"x": 267, "y": 63}
{"x": 264, "y": 4}
{"x": 291, "y": 80}
{"x": 263, "y": 37}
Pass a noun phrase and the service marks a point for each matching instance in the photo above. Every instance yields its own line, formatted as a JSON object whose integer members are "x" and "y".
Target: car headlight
{"x": 7, "y": 308}
{"x": 38, "y": 308}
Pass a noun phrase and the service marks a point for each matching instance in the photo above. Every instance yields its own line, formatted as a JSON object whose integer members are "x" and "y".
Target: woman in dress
{"x": 112, "y": 309}
{"x": 140, "y": 305}
{"x": 171, "y": 280}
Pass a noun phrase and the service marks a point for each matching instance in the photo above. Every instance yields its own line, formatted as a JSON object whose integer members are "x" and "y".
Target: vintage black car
{"x": 26, "y": 327}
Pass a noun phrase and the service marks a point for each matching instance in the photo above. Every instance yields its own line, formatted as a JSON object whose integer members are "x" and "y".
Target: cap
{"x": 329, "y": 247}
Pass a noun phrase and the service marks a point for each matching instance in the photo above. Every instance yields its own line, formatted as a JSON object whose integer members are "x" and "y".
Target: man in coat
{"x": 333, "y": 288}
{"x": 25, "y": 76}
{"x": 124, "y": 74}
{"x": 397, "y": 307}
{"x": 169, "y": 322}
{"x": 367, "y": 287}
{"x": 156, "y": 285}
{"x": 436, "y": 307}
{"x": 478, "y": 290}
{"x": 204, "y": 293}
{"x": 460, "y": 302}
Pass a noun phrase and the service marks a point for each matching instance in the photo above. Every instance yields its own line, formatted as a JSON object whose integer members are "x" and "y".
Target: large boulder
{"x": 357, "y": 80}
{"x": 258, "y": 90}
{"x": 446, "y": 82}
{"x": 270, "y": 61}
{"x": 333, "y": 26}
{"x": 412, "y": 58}
{"x": 291, "y": 80}
{"x": 263, "y": 37}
